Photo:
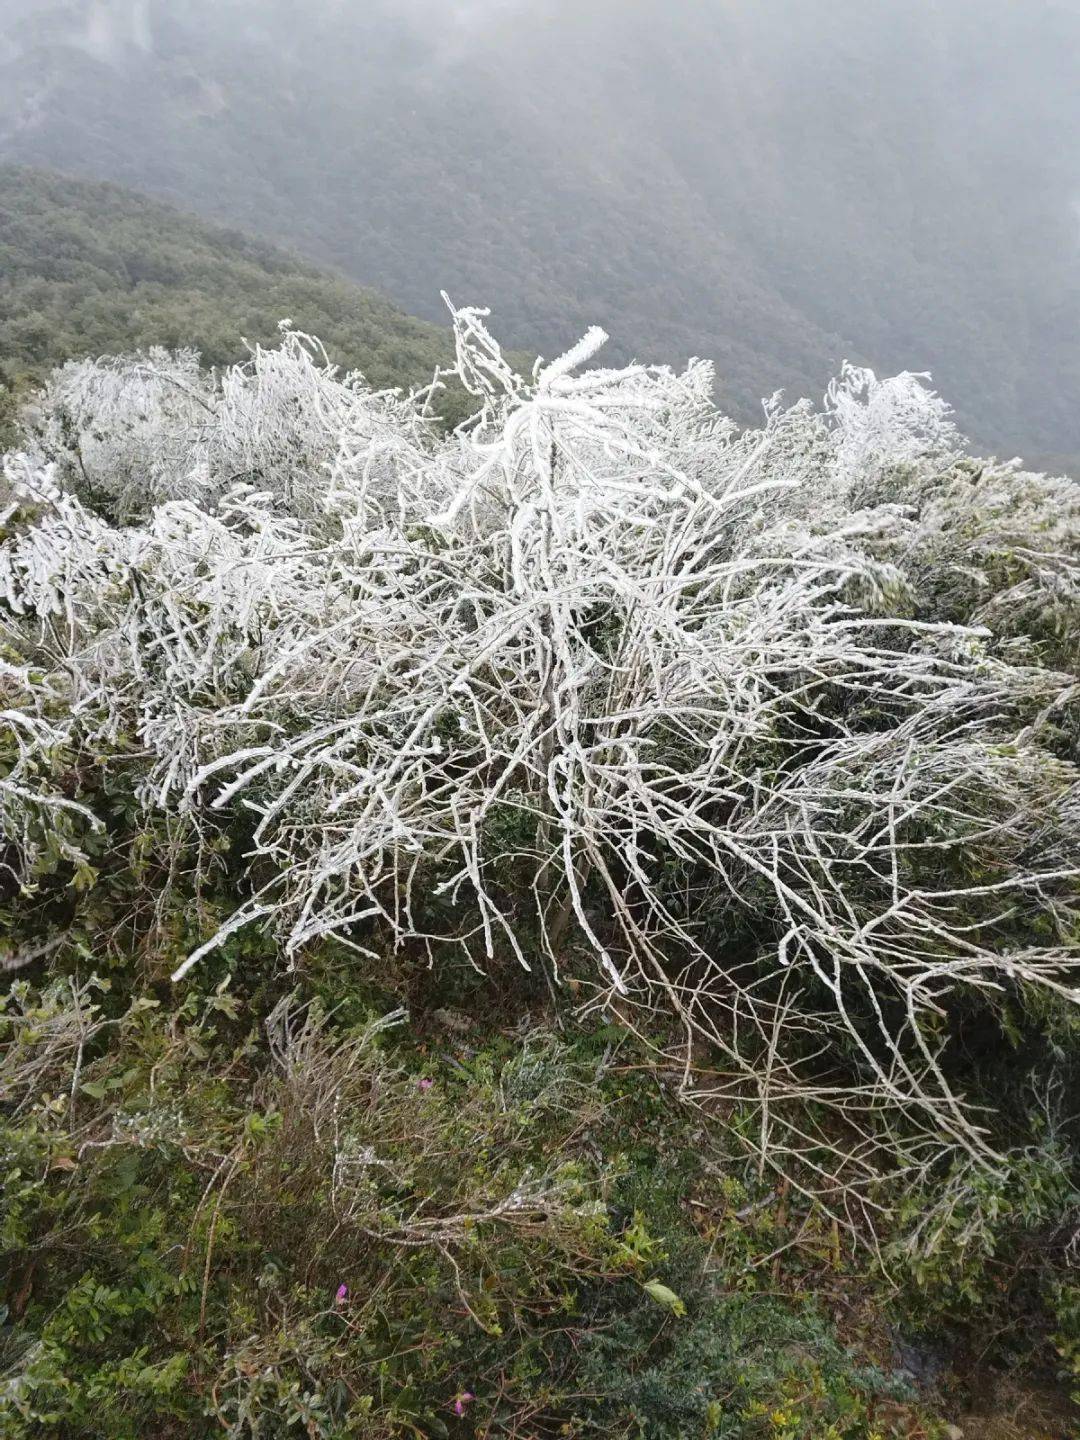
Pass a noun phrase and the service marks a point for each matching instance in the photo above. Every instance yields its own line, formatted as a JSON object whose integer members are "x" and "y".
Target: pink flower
{"x": 342, "y": 1295}
{"x": 424, "y": 1083}
{"x": 465, "y": 1398}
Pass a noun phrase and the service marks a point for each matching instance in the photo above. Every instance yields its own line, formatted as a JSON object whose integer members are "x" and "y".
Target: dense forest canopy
{"x": 775, "y": 186}
{"x": 92, "y": 269}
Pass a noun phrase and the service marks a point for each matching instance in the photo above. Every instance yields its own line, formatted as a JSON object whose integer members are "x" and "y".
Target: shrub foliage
{"x": 761, "y": 743}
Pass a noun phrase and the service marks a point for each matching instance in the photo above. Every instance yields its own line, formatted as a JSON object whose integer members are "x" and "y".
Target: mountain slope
{"x": 370, "y": 150}
{"x": 776, "y": 186}
{"x": 94, "y": 269}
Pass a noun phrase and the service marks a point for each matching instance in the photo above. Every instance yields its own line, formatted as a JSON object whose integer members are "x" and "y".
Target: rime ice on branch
{"x": 752, "y": 719}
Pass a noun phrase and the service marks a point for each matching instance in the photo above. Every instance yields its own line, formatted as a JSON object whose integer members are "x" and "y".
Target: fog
{"x": 776, "y": 184}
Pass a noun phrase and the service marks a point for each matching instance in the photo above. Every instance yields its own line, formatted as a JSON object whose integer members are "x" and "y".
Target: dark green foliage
{"x": 91, "y": 269}
{"x": 741, "y": 1365}
{"x": 186, "y": 1190}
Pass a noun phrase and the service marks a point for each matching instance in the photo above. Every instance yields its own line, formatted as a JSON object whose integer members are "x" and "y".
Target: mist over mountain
{"x": 775, "y": 186}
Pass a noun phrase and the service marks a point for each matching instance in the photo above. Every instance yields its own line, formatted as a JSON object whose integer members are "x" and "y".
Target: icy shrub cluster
{"x": 771, "y": 727}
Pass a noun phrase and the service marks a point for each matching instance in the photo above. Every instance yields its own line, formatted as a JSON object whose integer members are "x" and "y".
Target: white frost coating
{"x": 245, "y": 916}
{"x": 580, "y": 354}
{"x": 597, "y": 669}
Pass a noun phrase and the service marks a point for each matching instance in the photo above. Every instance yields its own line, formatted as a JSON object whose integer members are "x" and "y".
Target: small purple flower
{"x": 342, "y": 1295}
{"x": 424, "y": 1083}
{"x": 465, "y": 1398}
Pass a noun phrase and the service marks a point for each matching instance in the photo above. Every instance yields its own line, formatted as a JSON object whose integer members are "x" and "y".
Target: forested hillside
{"x": 775, "y": 186}
{"x": 92, "y": 269}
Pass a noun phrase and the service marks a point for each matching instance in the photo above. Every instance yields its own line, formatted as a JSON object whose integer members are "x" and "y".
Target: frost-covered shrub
{"x": 125, "y": 433}
{"x": 598, "y": 677}
{"x": 996, "y": 546}
{"x": 131, "y": 432}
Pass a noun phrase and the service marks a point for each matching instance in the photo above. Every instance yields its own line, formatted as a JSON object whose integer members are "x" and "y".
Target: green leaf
{"x": 663, "y": 1296}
